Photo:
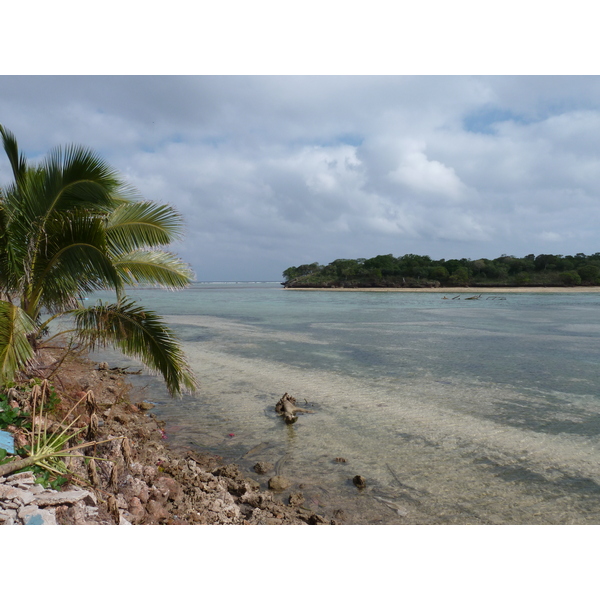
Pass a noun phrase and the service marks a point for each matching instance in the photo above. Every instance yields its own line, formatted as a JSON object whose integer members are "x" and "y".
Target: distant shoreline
{"x": 462, "y": 290}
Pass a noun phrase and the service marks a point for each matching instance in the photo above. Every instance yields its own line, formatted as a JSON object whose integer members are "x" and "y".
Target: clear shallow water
{"x": 454, "y": 411}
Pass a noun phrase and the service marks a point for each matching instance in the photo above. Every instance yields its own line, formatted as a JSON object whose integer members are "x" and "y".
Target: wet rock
{"x": 315, "y": 519}
{"x": 278, "y": 483}
{"x": 145, "y": 405}
{"x": 263, "y": 467}
{"x": 257, "y": 500}
{"x": 339, "y": 514}
{"x": 359, "y": 481}
{"x": 339, "y": 459}
{"x": 232, "y": 471}
{"x": 296, "y": 499}
{"x": 239, "y": 487}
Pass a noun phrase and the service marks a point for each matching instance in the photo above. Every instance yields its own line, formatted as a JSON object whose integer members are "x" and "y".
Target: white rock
{"x": 7, "y": 492}
{"x": 70, "y": 497}
{"x": 28, "y": 476}
{"x": 32, "y": 515}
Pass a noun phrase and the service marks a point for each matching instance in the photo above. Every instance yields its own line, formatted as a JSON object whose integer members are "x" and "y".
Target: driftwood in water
{"x": 288, "y": 409}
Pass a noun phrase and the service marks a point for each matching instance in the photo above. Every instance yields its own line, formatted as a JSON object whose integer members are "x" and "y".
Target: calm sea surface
{"x": 484, "y": 411}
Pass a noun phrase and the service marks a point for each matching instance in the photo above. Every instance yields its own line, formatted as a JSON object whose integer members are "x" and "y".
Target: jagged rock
{"x": 48, "y": 498}
{"x": 137, "y": 487}
{"x": 263, "y": 467}
{"x": 169, "y": 488}
{"x": 8, "y": 516}
{"x": 70, "y": 515}
{"x": 296, "y": 499}
{"x": 232, "y": 471}
{"x": 136, "y": 509}
{"x": 21, "y": 478}
{"x": 278, "y": 483}
{"x": 7, "y": 492}
{"x": 315, "y": 519}
{"x": 161, "y": 486}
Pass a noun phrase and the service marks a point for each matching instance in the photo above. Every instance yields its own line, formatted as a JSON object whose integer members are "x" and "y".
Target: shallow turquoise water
{"x": 455, "y": 411}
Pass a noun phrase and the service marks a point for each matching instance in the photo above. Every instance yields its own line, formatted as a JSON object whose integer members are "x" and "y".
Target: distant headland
{"x": 412, "y": 271}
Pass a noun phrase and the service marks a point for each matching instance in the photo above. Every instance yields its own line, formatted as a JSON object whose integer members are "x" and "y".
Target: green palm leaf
{"x": 136, "y": 225}
{"x": 139, "y": 333}
{"x": 15, "y": 349}
{"x": 69, "y": 226}
{"x": 17, "y": 161}
{"x": 77, "y": 177}
{"x": 71, "y": 262}
{"x": 153, "y": 267}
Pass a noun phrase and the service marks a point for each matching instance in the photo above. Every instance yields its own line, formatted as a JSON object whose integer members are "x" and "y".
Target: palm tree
{"x": 70, "y": 226}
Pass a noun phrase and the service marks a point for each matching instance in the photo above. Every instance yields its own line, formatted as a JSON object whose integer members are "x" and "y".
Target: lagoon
{"x": 455, "y": 412}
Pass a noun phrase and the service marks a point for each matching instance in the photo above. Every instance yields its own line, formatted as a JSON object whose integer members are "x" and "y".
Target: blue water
{"x": 455, "y": 411}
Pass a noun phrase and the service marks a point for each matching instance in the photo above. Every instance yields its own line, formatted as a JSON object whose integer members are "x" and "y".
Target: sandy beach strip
{"x": 466, "y": 290}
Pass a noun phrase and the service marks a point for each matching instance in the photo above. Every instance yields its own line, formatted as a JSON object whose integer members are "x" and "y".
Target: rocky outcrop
{"x": 23, "y": 502}
{"x": 136, "y": 478}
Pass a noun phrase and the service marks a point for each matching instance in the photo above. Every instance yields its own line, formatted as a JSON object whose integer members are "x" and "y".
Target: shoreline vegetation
{"x": 414, "y": 272}
{"x": 457, "y": 290}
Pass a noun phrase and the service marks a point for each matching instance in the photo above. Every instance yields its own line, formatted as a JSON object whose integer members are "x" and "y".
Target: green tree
{"x": 589, "y": 274}
{"x": 439, "y": 273}
{"x": 460, "y": 276}
{"x": 382, "y": 265}
{"x": 570, "y": 278}
{"x": 70, "y": 226}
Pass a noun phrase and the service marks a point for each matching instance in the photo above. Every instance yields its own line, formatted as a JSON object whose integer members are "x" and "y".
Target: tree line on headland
{"x": 413, "y": 271}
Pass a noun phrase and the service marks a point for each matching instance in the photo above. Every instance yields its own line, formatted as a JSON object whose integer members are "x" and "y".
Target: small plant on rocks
{"x": 47, "y": 449}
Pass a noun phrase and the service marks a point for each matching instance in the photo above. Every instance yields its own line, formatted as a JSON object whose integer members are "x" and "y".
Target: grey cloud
{"x": 275, "y": 171}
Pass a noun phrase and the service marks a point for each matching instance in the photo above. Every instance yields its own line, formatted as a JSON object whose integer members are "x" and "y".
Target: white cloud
{"x": 270, "y": 171}
{"x": 427, "y": 176}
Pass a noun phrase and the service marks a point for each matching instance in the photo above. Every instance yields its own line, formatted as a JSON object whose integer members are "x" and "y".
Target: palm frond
{"x": 69, "y": 226}
{"x": 15, "y": 349}
{"x": 142, "y": 225}
{"x": 139, "y": 333}
{"x": 17, "y": 160}
{"x": 153, "y": 267}
{"x": 71, "y": 261}
{"x": 75, "y": 176}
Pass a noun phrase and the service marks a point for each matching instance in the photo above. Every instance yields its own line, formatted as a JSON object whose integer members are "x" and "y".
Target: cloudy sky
{"x": 275, "y": 171}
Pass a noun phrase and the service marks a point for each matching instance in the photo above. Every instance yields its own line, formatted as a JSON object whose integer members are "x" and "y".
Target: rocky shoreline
{"x": 139, "y": 479}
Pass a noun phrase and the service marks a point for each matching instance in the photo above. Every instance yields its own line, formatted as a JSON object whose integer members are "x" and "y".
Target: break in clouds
{"x": 271, "y": 172}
